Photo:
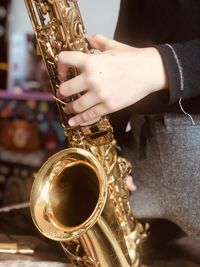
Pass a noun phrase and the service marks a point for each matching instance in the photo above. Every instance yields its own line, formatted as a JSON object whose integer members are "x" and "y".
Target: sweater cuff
{"x": 174, "y": 71}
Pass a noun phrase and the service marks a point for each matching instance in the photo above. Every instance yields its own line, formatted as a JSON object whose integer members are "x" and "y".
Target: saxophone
{"x": 79, "y": 196}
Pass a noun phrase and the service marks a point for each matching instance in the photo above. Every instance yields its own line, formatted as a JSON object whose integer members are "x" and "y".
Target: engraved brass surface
{"x": 79, "y": 196}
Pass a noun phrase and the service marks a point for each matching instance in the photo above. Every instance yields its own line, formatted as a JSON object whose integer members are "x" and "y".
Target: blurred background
{"x": 30, "y": 132}
{"x": 30, "y": 129}
{"x": 98, "y": 16}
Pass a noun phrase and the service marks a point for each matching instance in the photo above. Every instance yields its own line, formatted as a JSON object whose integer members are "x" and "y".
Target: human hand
{"x": 130, "y": 185}
{"x": 116, "y": 78}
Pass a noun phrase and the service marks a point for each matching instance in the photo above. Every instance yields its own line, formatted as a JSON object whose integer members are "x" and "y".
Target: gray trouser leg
{"x": 166, "y": 168}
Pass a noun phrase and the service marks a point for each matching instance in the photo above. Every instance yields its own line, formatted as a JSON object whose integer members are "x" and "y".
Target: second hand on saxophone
{"x": 79, "y": 196}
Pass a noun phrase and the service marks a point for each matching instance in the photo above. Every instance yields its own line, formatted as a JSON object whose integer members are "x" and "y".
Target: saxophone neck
{"x": 58, "y": 27}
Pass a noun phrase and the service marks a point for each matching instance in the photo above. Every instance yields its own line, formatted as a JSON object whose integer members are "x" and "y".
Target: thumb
{"x": 129, "y": 182}
{"x": 101, "y": 42}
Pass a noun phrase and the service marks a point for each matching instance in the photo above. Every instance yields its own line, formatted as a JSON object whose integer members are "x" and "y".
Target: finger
{"x": 88, "y": 115}
{"x": 101, "y": 42}
{"x": 69, "y": 59}
{"x": 72, "y": 87}
{"x": 129, "y": 182}
{"x": 85, "y": 102}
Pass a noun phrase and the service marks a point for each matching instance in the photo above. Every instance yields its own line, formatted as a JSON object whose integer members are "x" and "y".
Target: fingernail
{"x": 72, "y": 122}
{"x": 134, "y": 188}
{"x": 130, "y": 186}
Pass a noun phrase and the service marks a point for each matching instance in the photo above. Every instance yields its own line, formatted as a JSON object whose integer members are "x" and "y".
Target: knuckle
{"x": 98, "y": 36}
{"x": 93, "y": 84}
{"x": 61, "y": 57}
{"x": 101, "y": 94}
{"x": 61, "y": 89}
{"x": 90, "y": 82}
{"x": 68, "y": 86}
{"x": 83, "y": 117}
{"x": 109, "y": 105}
{"x": 91, "y": 114}
{"x": 77, "y": 107}
{"x": 64, "y": 87}
{"x": 88, "y": 63}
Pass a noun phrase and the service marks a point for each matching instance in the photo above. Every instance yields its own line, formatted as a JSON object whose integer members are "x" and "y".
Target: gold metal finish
{"x": 79, "y": 196}
{"x": 16, "y": 248}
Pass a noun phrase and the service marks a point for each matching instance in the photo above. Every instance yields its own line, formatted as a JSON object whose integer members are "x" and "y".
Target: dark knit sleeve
{"x": 182, "y": 63}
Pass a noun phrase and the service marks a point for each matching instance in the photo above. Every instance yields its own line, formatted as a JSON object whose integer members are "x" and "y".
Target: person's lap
{"x": 166, "y": 168}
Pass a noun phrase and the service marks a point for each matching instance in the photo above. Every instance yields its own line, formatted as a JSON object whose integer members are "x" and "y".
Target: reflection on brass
{"x": 16, "y": 248}
{"x": 79, "y": 196}
{"x": 15, "y": 207}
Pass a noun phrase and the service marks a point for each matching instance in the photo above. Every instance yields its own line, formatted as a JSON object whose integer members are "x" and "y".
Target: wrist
{"x": 159, "y": 78}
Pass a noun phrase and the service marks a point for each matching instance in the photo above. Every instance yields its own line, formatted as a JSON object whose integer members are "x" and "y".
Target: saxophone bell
{"x": 68, "y": 194}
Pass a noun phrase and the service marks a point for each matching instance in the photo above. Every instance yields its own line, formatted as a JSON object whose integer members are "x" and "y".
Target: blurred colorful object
{"x": 30, "y": 131}
{"x": 4, "y": 7}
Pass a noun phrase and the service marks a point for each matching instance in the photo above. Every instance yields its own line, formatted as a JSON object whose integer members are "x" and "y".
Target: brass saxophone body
{"x": 79, "y": 196}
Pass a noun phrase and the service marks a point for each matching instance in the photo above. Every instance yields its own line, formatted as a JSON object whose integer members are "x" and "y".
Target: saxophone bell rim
{"x": 40, "y": 203}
